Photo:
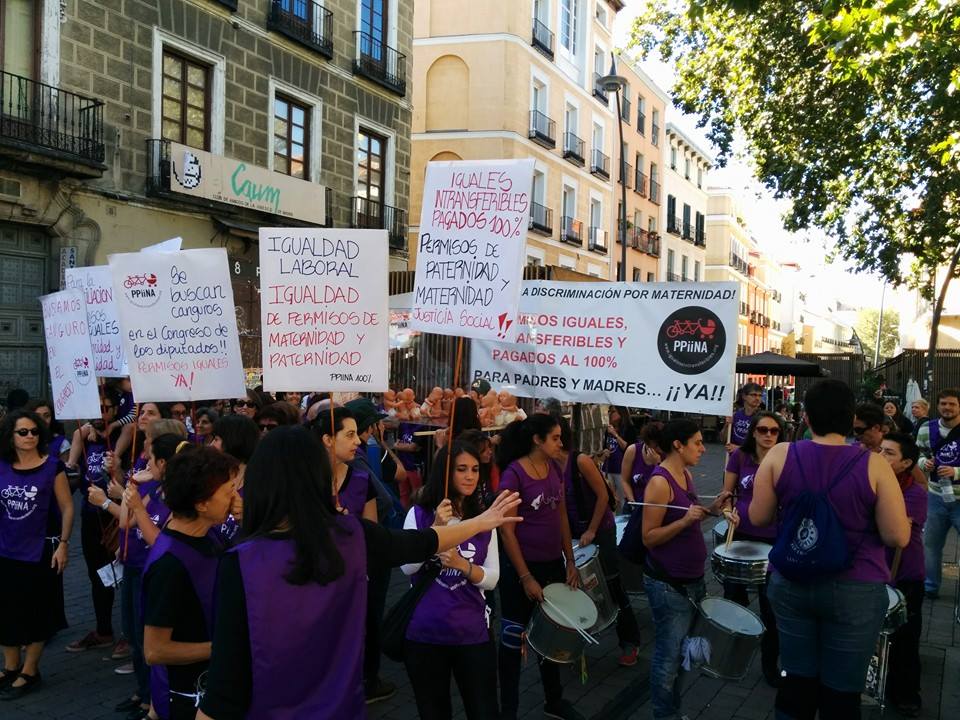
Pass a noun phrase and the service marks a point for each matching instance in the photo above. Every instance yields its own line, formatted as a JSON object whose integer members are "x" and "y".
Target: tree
{"x": 867, "y": 320}
{"x": 847, "y": 109}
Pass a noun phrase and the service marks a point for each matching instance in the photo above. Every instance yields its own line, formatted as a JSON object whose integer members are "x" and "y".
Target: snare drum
{"x": 720, "y": 533}
{"x": 631, "y": 574}
{"x": 594, "y": 584}
{"x": 550, "y": 632}
{"x": 732, "y": 634}
{"x": 743, "y": 563}
{"x": 896, "y": 611}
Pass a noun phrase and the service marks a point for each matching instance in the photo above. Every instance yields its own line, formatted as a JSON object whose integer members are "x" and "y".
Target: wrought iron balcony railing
{"x": 626, "y": 174}
{"x": 379, "y": 216}
{"x": 654, "y": 191}
{"x": 641, "y": 122}
{"x": 600, "y": 164}
{"x": 598, "y": 92}
{"x": 598, "y": 240}
{"x": 571, "y": 231}
{"x": 543, "y": 130}
{"x": 573, "y": 148}
{"x": 673, "y": 226}
{"x": 625, "y": 109}
{"x": 306, "y": 21}
{"x": 542, "y": 38}
{"x": 541, "y": 219}
{"x": 687, "y": 230}
{"x": 381, "y": 63}
{"x": 640, "y": 183}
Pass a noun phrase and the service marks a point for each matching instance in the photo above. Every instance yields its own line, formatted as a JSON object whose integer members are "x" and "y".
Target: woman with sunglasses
{"x": 766, "y": 429}
{"x": 31, "y": 557}
{"x": 59, "y": 445}
{"x": 248, "y": 405}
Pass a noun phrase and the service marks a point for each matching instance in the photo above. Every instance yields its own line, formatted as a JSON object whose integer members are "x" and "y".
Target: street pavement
{"x": 84, "y": 686}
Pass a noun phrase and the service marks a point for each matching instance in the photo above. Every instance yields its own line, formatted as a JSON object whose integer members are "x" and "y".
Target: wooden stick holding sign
{"x": 123, "y": 508}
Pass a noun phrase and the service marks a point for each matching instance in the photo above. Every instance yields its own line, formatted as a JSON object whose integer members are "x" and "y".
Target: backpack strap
{"x": 837, "y": 478}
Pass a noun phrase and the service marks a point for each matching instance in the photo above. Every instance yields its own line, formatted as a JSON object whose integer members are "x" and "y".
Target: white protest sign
{"x": 172, "y": 245}
{"x": 178, "y": 324}
{"x": 75, "y": 393}
{"x": 470, "y": 247}
{"x": 324, "y": 311}
{"x": 102, "y": 319}
{"x": 666, "y": 346}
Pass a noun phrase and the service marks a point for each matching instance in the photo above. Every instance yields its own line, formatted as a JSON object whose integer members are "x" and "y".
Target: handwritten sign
{"x": 72, "y": 373}
{"x": 102, "y": 319}
{"x": 178, "y": 324}
{"x": 323, "y": 303}
{"x": 667, "y": 346}
{"x": 473, "y": 228}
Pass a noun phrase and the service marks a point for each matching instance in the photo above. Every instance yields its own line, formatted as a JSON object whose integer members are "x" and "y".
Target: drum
{"x": 594, "y": 584}
{"x": 896, "y": 611}
{"x": 631, "y": 574}
{"x": 743, "y": 563}
{"x": 552, "y": 630}
{"x": 732, "y": 634}
{"x": 720, "y": 533}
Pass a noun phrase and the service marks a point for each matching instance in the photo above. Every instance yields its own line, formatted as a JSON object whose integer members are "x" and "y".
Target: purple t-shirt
{"x": 745, "y": 468}
{"x": 911, "y": 560}
{"x": 614, "y": 463}
{"x": 580, "y": 521}
{"x": 539, "y": 533}
{"x": 741, "y": 425}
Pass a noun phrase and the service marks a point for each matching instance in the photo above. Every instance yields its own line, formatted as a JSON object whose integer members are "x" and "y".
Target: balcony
{"x": 625, "y": 109}
{"x": 641, "y": 122}
{"x": 640, "y": 183}
{"x": 541, "y": 219}
{"x": 744, "y": 311}
{"x": 369, "y": 214}
{"x": 673, "y": 225}
{"x": 598, "y": 92}
{"x": 308, "y": 23}
{"x": 571, "y": 231}
{"x": 573, "y": 149}
{"x": 654, "y": 191}
{"x": 672, "y": 277}
{"x": 380, "y": 63}
{"x": 687, "y": 230}
{"x": 600, "y": 165}
{"x": 700, "y": 239}
{"x": 543, "y": 130}
{"x": 542, "y": 38}
{"x": 626, "y": 174}
{"x": 738, "y": 263}
{"x": 652, "y": 246}
{"x": 45, "y": 126}
{"x": 655, "y": 134}
{"x": 598, "y": 241}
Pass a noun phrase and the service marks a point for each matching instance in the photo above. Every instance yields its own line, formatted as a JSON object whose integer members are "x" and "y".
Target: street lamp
{"x": 615, "y": 83}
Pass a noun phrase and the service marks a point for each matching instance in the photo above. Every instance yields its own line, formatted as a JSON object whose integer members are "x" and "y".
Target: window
{"x": 699, "y": 176}
{"x": 598, "y": 61}
{"x": 598, "y": 137}
{"x": 291, "y": 138}
{"x": 601, "y": 14}
{"x": 539, "y": 187}
{"x": 569, "y": 200}
{"x": 568, "y": 262}
{"x": 371, "y": 171}
{"x": 655, "y": 128}
{"x": 535, "y": 261}
{"x": 637, "y": 275}
{"x": 687, "y": 229}
{"x": 185, "y": 105}
{"x": 670, "y": 262}
{"x": 570, "y": 119}
{"x": 569, "y": 11}
{"x": 641, "y": 115}
{"x": 538, "y": 97}
{"x": 686, "y": 168}
{"x": 18, "y": 22}
{"x": 683, "y": 267}
{"x": 650, "y": 277}
{"x": 373, "y": 21}
{"x": 673, "y": 157}
{"x": 596, "y": 215}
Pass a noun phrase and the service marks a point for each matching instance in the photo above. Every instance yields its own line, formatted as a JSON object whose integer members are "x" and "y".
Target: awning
{"x": 234, "y": 227}
{"x": 769, "y": 363}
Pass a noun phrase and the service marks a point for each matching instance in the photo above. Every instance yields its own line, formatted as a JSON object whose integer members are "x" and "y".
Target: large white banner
{"x": 324, "y": 311}
{"x": 666, "y": 346}
{"x": 178, "y": 324}
{"x": 72, "y": 374}
{"x": 470, "y": 248}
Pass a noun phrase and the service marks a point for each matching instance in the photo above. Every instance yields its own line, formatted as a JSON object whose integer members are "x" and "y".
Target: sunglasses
{"x": 768, "y": 430}
{"x": 267, "y": 427}
{"x": 243, "y": 403}
{"x": 23, "y": 432}
{"x": 859, "y": 430}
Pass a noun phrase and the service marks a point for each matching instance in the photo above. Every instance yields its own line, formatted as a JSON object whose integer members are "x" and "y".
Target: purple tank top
{"x": 291, "y": 631}
{"x": 539, "y": 533}
{"x": 453, "y": 610}
{"x": 614, "y": 463}
{"x": 853, "y": 500}
{"x": 684, "y": 555}
{"x": 136, "y": 554}
{"x": 353, "y": 493}
{"x": 741, "y": 426}
{"x": 641, "y": 471}
{"x": 745, "y": 468}
{"x": 579, "y": 522}
{"x": 25, "y": 499}
{"x": 911, "y": 560}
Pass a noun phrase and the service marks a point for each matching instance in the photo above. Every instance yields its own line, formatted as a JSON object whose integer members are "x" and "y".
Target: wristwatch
{"x": 105, "y": 504}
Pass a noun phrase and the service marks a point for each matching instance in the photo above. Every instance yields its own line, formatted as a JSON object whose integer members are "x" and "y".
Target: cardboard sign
{"x": 72, "y": 364}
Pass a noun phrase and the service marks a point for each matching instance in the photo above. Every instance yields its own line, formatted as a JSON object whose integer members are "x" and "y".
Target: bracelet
{"x": 524, "y": 577}
{"x": 106, "y": 504}
{"x": 469, "y": 570}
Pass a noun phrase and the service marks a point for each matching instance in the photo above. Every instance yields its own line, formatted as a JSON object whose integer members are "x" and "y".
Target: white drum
{"x": 631, "y": 574}
{"x": 594, "y": 584}
{"x": 743, "y": 563}
{"x": 553, "y": 628}
{"x": 732, "y": 635}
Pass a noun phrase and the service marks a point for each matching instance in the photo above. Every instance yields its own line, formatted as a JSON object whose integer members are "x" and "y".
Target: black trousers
{"x": 517, "y": 608}
{"x": 377, "y": 588}
{"x": 96, "y": 556}
{"x": 903, "y": 679}
{"x": 474, "y": 668}
{"x": 628, "y": 631}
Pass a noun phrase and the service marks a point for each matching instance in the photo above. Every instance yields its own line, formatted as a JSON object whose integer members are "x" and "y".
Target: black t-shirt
{"x": 172, "y": 602}
{"x": 230, "y": 679}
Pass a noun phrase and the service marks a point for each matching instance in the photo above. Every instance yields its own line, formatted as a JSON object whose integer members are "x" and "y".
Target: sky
{"x": 765, "y": 213}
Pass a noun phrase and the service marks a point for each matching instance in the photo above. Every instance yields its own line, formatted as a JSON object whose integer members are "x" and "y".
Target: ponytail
{"x": 517, "y": 438}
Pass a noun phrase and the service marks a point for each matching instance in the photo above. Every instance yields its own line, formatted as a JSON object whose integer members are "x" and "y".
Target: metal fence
{"x": 848, "y": 367}
{"x": 911, "y": 364}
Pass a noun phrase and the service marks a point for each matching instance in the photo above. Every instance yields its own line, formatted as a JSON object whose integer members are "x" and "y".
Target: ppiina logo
{"x": 83, "y": 370}
{"x": 142, "y": 290}
{"x": 691, "y": 340}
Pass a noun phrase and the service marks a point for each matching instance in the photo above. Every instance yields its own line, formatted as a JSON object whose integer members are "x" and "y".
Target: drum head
{"x": 583, "y": 555}
{"x": 565, "y": 605}
{"x": 743, "y": 550}
{"x": 730, "y": 616}
{"x": 894, "y": 598}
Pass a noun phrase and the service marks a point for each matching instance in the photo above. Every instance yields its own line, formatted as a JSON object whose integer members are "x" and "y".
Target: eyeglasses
{"x": 267, "y": 427}
{"x": 23, "y": 432}
{"x": 859, "y": 430}
{"x": 768, "y": 430}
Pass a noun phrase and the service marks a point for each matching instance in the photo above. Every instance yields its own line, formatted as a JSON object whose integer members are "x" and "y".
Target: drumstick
{"x": 896, "y": 565}
{"x": 730, "y": 528}
{"x": 563, "y": 616}
{"x": 674, "y": 507}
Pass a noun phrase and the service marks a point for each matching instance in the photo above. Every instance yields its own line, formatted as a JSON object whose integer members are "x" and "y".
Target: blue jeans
{"x": 132, "y": 617}
{"x": 673, "y": 614}
{"x": 828, "y": 629}
{"x": 940, "y": 516}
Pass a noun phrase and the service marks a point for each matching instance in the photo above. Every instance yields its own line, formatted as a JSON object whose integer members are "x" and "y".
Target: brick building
{"x": 126, "y": 122}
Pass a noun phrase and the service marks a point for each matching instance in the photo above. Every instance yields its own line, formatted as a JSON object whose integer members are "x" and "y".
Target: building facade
{"x": 685, "y": 205}
{"x": 642, "y": 112}
{"x": 507, "y": 79}
{"x": 128, "y": 123}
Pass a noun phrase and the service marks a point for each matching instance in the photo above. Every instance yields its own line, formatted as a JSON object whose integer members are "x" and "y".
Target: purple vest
{"x": 641, "y": 472}
{"x": 25, "y": 500}
{"x": 853, "y": 500}
{"x": 452, "y": 611}
{"x": 539, "y": 533}
{"x": 911, "y": 560}
{"x": 136, "y": 554}
{"x": 301, "y": 667}
{"x": 202, "y": 570}
{"x": 227, "y": 531}
{"x": 683, "y": 556}
{"x": 745, "y": 469}
{"x": 614, "y": 463}
{"x": 353, "y": 492}
{"x": 578, "y": 524}
{"x": 944, "y": 453}
{"x": 741, "y": 426}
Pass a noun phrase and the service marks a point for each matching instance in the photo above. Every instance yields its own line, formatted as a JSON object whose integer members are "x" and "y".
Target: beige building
{"x": 643, "y": 136}
{"x": 685, "y": 202}
{"x": 507, "y": 79}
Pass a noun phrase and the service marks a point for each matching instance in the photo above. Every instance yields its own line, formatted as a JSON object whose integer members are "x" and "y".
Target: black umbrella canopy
{"x": 769, "y": 363}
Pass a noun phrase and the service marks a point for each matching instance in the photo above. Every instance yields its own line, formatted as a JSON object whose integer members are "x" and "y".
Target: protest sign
{"x": 323, "y": 304}
{"x": 666, "y": 346}
{"x": 102, "y": 319}
{"x": 178, "y": 324}
{"x": 172, "y": 245}
{"x": 72, "y": 375}
{"x": 473, "y": 229}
